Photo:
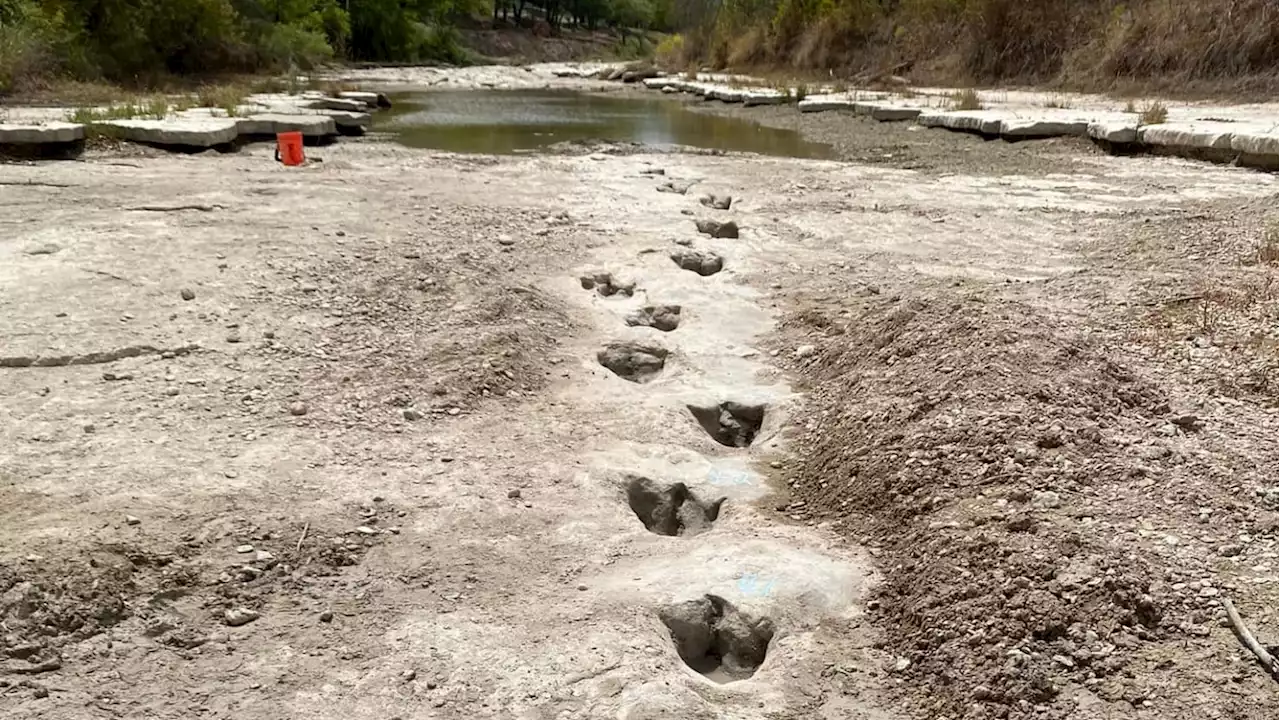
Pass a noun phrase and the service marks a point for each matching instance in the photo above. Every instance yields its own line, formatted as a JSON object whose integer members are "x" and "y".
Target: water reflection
{"x": 505, "y": 122}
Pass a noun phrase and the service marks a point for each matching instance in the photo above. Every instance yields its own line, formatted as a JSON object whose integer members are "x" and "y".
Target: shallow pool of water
{"x": 514, "y": 121}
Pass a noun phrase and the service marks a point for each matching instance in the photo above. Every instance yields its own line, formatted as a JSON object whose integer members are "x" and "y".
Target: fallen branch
{"x": 113, "y": 276}
{"x": 303, "y": 537}
{"x": 176, "y": 208}
{"x": 1251, "y": 644}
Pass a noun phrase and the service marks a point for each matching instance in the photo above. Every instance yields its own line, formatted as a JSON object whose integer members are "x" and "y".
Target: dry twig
{"x": 1246, "y": 638}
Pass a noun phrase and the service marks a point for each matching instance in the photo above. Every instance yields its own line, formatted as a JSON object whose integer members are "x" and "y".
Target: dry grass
{"x": 966, "y": 100}
{"x": 154, "y": 108}
{"x": 1153, "y": 113}
{"x": 1171, "y": 47}
{"x": 1266, "y": 251}
{"x": 1058, "y": 101}
{"x": 229, "y": 98}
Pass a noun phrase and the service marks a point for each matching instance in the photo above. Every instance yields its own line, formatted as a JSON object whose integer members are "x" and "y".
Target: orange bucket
{"x": 289, "y": 148}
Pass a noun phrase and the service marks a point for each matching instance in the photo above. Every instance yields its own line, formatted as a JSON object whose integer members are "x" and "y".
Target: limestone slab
{"x": 1119, "y": 133}
{"x": 1207, "y": 135}
{"x": 273, "y": 123}
{"x": 40, "y": 134}
{"x": 178, "y": 131}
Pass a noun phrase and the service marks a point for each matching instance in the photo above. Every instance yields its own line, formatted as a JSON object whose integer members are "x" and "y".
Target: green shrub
{"x": 294, "y": 46}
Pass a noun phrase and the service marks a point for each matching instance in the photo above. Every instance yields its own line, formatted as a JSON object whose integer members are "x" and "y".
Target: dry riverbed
{"x": 421, "y": 435}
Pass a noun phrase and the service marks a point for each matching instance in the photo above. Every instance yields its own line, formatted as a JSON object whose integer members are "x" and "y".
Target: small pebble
{"x": 244, "y": 548}
{"x": 411, "y": 415}
{"x": 239, "y": 616}
{"x": 131, "y": 520}
{"x": 513, "y": 493}
{"x": 298, "y": 408}
{"x": 90, "y": 428}
{"x": 188, "y": 294}
{"x": 326, "y": 616}
{"x": 233, "y": 338}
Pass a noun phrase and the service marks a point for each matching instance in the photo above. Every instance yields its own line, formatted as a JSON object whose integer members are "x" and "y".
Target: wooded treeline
{"x": 138, "y": 41}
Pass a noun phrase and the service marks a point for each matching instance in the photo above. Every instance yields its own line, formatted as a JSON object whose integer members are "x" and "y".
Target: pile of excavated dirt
{"x": 1009, "y": 470}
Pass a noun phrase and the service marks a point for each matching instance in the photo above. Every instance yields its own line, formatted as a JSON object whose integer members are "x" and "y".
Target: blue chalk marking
{"x": 753, "y": 584}
{"x": 722, "y": 477}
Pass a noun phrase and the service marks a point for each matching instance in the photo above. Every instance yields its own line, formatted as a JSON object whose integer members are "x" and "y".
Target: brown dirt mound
{"x": 1001, "y": 470}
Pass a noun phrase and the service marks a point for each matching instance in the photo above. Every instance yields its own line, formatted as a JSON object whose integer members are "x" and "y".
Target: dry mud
{"x": 357, "y": 440}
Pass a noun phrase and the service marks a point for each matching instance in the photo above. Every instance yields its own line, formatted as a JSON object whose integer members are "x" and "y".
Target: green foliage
{"x": 141, "y": 42}
{"x": 155, "y": 108}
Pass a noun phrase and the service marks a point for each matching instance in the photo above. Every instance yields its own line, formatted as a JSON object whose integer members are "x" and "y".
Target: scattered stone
{"x": 718, "y": 229}
{"x": 131, "y": 520}
{"x": 412, "y": 415}
{"x": 326, "y": 616}
{"x": 804, "y": 351}
{"x": 244, "y": 548}
{"x": 236, "y": 617}
{"x": 514, "y": 493}
{"x": 1189, "y": 423}
{"x": 582, "y": 588}
{"x": 188, "y": 294}
{"x": 1230, "y": 550}
{"x": 506, "y": 240}
{"x": 298, "y": 408}
{"x": 408, "y": 676}
{"x": 1046, "y": 499}
{"x": 901, "y": 665}
{"x": 90, "y": 429}
{"x": 653, "y": 171}
{"x": 233, "y": 338}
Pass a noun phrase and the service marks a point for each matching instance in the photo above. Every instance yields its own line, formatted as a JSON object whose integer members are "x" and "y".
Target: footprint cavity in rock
{"x": 605, "y": 284}
{"x": 718, "y": 229}
{"x": 703, "y": 262}
{"x": 670, "y": 509}
{"x": 632, "y": 361}
{"x": 717, "y": 202}
{"x": 660, "y": 317}
{"x": 679, "y": 188}
{"x": 730, "y": 423}
{"x": 717, "y": 639}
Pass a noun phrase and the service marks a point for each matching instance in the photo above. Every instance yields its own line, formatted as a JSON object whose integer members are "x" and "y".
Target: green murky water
{"x": 514, "y": 121}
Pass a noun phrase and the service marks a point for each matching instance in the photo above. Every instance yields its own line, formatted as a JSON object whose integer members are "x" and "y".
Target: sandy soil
{"x": 339, "y": 443}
